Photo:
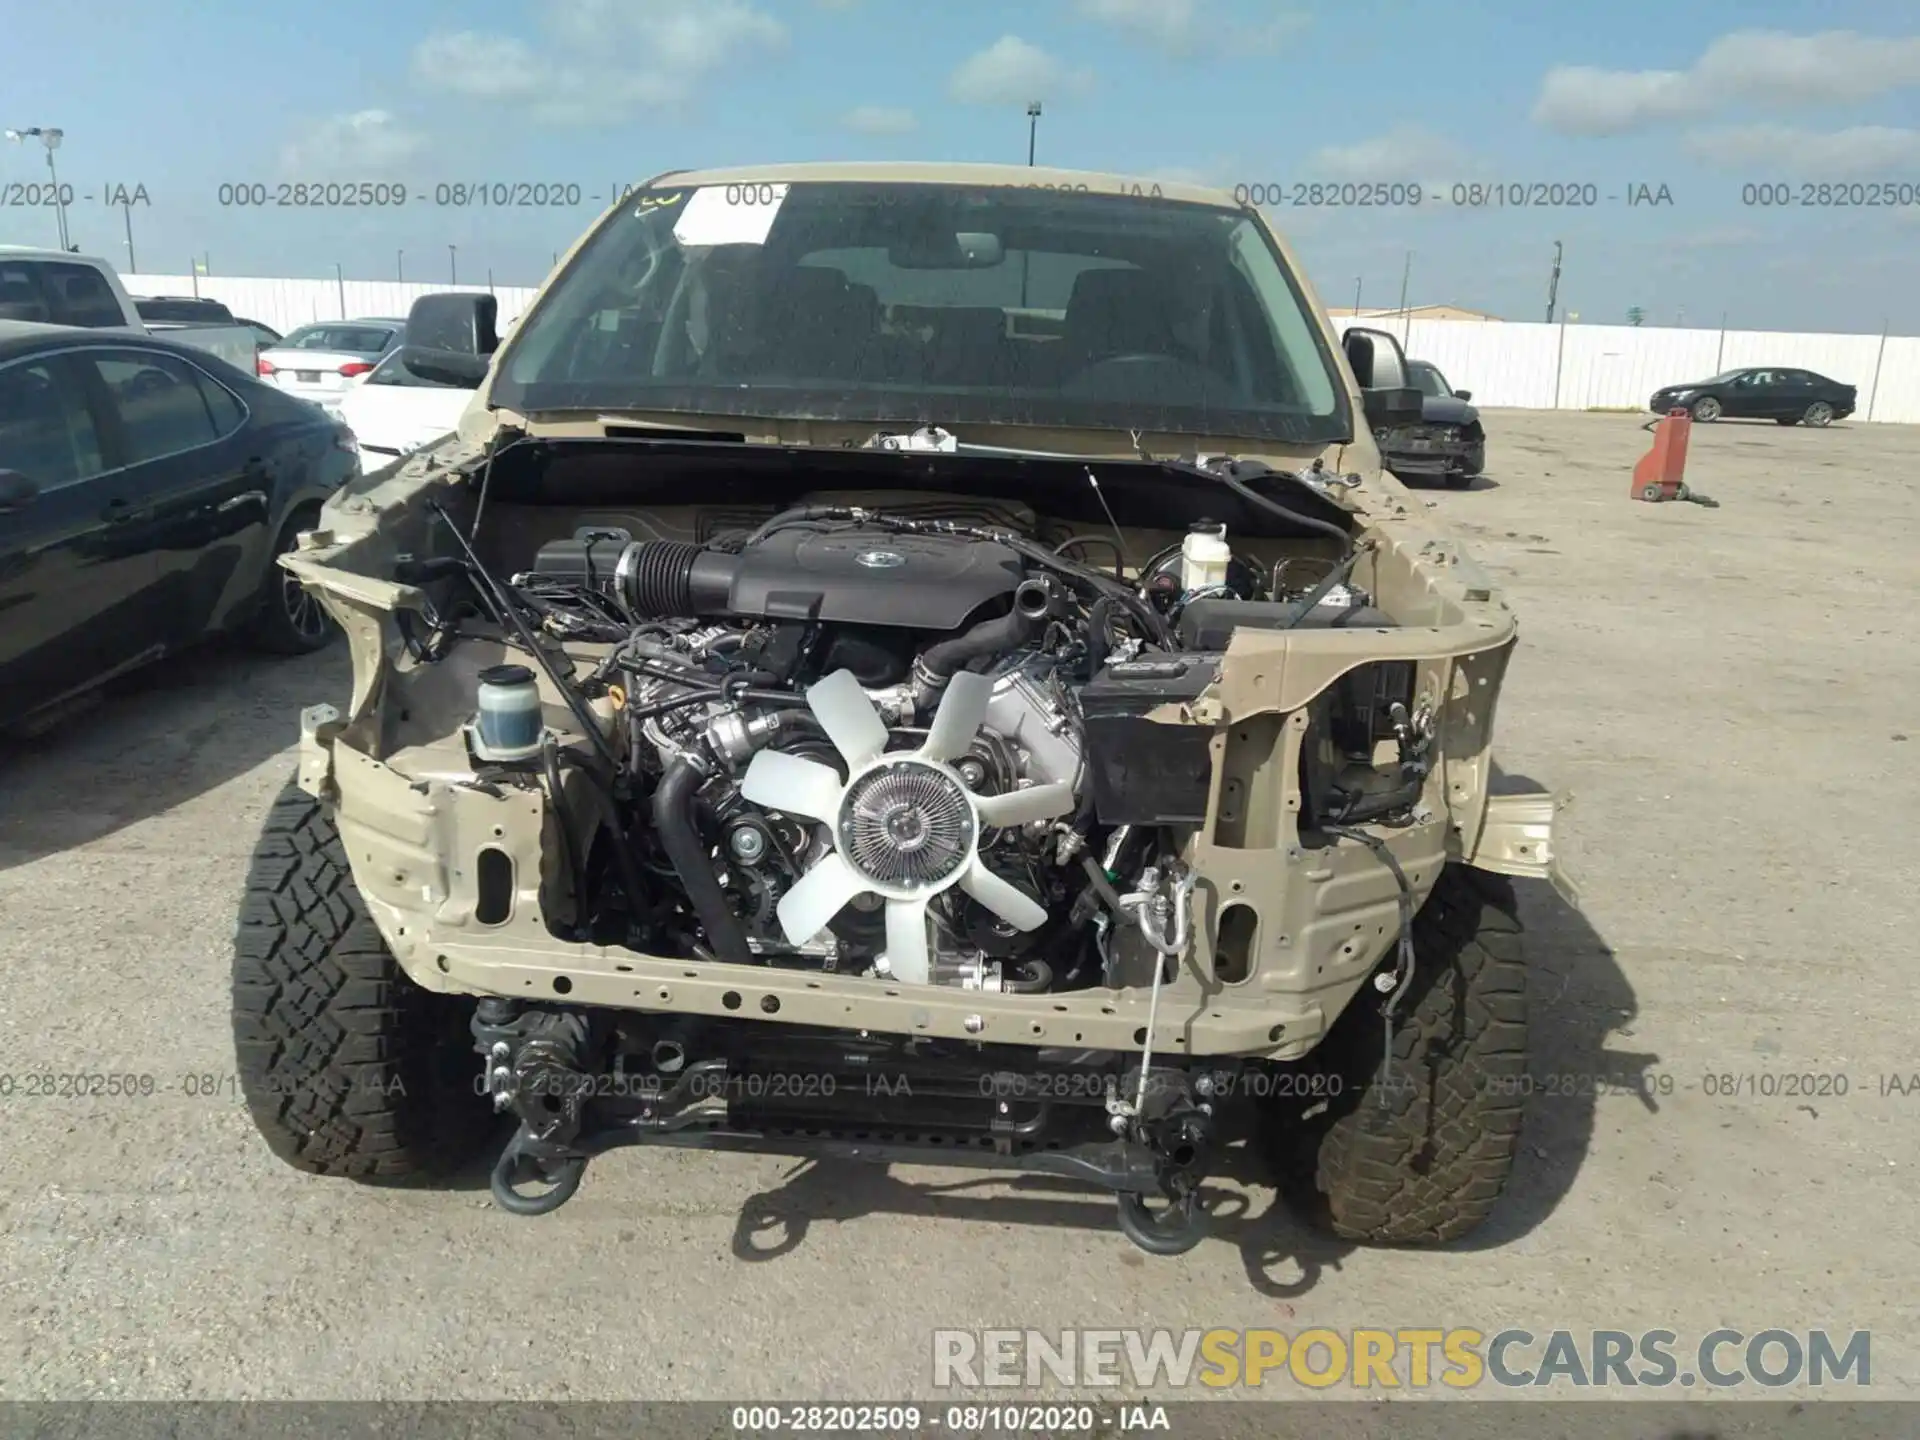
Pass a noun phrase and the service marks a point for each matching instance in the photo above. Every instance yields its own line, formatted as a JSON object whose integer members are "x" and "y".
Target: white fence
{"x": 1583, "y": 367}
{"x": 284, "y": 304}
{"x": 1532, "y": 366}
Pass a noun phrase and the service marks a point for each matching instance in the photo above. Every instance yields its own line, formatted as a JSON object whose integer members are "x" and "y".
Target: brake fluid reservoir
{"x": 507, "y": 727}
{"x": 1204, "y": 556}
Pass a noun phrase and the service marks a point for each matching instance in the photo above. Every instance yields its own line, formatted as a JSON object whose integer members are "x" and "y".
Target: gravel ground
{"x": 1725, "y": 693}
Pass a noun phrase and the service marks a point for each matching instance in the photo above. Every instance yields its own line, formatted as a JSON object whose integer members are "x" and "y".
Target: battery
{"x": 1143, "y": 771}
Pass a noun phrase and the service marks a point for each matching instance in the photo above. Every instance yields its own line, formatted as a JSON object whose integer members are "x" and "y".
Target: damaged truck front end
{"x": 1032, "y": 803}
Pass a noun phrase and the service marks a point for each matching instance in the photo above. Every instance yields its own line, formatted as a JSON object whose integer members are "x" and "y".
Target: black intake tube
{"x": 666, "y": 578}
{"x": 680, "y": 838}
{"x": 1004, "y": 632}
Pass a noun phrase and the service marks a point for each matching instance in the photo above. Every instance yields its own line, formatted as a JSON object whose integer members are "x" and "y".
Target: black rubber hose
{"x": 989, "y": 637}
{"x": 576, "y": 867}
{"x": 680, "y": 838}
{"x": 1099, "y": 634}
{"x": 1103, "y": 887}
{"x": 1039, "y": 978}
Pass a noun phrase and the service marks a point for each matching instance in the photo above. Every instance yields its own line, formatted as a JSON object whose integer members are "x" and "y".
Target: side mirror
{"x": 1376, "y": 357}
{"x": 16, "y": 491}
{"x": 1380, "y": 367}
{"x": 464, "y": 324}
{"x": 1463, "y": 394}
{"x": 445, "y": 367}
{"x": 450, "y": 338}
{"x": 1390, "y": 409}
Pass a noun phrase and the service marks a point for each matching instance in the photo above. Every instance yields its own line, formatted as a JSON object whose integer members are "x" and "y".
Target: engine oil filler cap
{"x": 507, "y": 727}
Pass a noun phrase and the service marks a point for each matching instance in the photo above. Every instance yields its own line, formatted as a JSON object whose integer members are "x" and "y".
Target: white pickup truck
{"x": 57, "y": 288}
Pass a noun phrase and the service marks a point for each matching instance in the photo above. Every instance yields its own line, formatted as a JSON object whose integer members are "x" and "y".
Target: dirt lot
{"x": 1727, "y": 694}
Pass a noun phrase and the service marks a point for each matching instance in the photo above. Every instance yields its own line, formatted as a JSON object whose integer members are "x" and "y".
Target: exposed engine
{"x": 906, "y": 748}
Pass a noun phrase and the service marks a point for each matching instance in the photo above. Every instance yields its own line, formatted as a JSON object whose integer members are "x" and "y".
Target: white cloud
{"x": 1407, "y": 152}
{"x": 602, "y": 59}
{"x": 1766, "y": 151}
{"x": 1012, "y": 72}
{"x": 364, "y": 143}
{"x": 1764, "y": 68}
{"x": 1182, "y": 27}
{"x": 486, "y": 67}
{"x": 879, "y": 120}
{"x": 1171, "y": 23}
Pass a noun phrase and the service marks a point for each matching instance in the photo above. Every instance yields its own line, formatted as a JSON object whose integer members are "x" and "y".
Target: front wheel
{"x": 1706, "y": 409}
{"x": 1417, "y": 1152}
{"x": 1819, "y": 413}
{"x": 346, "y": 1065}
{"x": 290, "y": 619}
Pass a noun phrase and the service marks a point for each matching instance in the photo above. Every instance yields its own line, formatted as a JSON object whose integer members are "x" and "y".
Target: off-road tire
{"x": 1428, "y": 1164}
{"x": 347, "y": 1066}
{"x": 277, "y": 625}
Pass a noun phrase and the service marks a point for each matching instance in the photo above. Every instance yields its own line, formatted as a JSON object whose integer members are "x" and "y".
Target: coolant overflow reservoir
{"x": 1204, "y": 555}
{"x": 508, "y": 727}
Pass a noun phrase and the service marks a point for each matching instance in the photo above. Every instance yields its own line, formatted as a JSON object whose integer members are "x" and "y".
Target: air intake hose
{"x": 662, "y": 578}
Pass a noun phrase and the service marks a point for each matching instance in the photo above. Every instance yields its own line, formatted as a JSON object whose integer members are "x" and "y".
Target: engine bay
{"x": 928, "y": 741}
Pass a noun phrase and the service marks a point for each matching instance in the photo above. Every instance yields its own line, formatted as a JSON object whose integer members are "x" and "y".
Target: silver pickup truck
{"x": 58, "y": 288}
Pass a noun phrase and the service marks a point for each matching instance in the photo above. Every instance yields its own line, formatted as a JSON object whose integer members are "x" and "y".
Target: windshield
{"x": 932, "y": 304}
{"x": 1430, "y": 380}
{"x": 354, "y": 339}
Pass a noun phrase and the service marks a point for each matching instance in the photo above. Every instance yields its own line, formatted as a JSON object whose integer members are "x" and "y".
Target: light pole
{"x": 126, "y": 212}
{"x": 1033, "y": 128}
{"x": 1553, "y": 282}
{"x": 1406, "y": 315}
{"x": 51, "y": 138}
{"x": 399, "y": 265}
{"x": 453, "y": 272}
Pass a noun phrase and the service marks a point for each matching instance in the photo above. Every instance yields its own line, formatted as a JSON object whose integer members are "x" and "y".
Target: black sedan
{"x": 145, "y": 488}
{"x": 1448, "y": 444}
{"x": 1787, "y": 397}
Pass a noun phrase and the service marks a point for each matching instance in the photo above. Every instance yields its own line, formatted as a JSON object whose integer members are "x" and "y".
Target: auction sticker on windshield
{"x": 730, "y": 214}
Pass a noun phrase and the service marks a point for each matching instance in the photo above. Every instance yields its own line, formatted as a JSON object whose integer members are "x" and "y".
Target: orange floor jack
{"x": 1656, "y": 475}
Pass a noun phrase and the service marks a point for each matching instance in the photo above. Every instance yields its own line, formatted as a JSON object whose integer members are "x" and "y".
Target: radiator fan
{"x": 905, "y": 826}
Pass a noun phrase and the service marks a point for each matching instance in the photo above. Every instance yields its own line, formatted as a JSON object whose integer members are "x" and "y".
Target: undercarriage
{"x": 581, "y": 1085}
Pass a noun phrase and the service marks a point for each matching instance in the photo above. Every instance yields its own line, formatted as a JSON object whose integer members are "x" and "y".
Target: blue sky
{"x": 1702, "y": 97}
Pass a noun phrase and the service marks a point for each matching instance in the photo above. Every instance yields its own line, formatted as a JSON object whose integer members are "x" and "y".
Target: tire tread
{"x": 338, "y": 1053}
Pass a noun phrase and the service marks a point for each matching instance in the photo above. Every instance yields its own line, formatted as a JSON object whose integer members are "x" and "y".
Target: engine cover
{"x": 918, "y": 582}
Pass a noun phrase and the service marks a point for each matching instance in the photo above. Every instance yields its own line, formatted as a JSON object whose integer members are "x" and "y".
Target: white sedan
{"x": 393, "y": 412}
{"x": 325, "y": 361}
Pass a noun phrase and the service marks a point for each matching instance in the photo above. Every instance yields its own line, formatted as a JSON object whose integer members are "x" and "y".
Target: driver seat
{"x": 1119, "y": 312}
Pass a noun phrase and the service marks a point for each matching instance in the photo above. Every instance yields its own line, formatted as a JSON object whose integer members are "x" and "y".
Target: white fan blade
{"x": 963, "y": 710}
{"x": 1017, "y": 807}
{"x": 1011, "y": 904}
{"x": 817, "y": 897}
{"x": 907, "y": 941}
{"x": 848, "y": 717}
{"x": 786, "y": 782}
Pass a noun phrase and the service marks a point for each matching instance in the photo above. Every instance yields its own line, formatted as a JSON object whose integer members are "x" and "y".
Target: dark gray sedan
{"x": 1786, "y": 397}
